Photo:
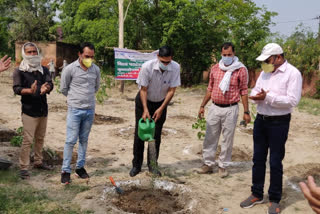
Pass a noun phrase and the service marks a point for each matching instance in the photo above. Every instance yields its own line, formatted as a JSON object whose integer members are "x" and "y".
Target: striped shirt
{"x": 79, "y": 85}
{"x": 238, "y": 85}
{"x": 157, "y": 82}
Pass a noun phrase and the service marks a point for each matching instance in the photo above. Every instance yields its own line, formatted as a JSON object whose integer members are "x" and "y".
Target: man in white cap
{"x": 277, "y": 91}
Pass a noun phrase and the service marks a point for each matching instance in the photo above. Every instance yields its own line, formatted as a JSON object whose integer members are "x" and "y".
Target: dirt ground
{"x": 110, "y": 153}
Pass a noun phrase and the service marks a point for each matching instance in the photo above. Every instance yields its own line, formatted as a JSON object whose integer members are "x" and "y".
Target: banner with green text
{"x": 128, "y": 62}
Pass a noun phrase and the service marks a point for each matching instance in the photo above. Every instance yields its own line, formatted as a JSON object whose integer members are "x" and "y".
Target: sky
{"x": 289, "y": 11}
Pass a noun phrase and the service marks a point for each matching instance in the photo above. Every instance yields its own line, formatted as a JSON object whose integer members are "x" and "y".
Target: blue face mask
{"x": 162, "y": 66}
{"x": 227, "y": 60}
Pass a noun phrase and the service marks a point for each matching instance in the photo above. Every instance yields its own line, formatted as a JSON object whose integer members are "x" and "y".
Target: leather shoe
{"x": 156, "y": 172}
{"x": 134, "y": 171}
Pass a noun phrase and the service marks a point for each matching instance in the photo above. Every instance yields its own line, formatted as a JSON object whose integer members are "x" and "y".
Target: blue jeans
{"x": 269, "y": 135}
{"x": 79, "y": 122}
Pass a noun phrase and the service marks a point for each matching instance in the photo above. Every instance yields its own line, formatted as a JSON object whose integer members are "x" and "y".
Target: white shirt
{"x": 158, "y": 82}
{"x": 284, "y": 88}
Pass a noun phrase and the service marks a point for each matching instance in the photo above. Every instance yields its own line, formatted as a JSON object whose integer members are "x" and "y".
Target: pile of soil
{"x": 102, "y": 119}
{"x": 148, "y": 201}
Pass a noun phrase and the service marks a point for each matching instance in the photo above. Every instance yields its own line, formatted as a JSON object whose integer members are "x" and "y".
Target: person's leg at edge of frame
{"x": 73, "y": 125}
{"x": 278, "y": 135}
{"x": 85, "y": 127}
{"x": 260, "y": 152}
{"x": 29, "y": 127}
{"x": 229, "y": 122}
{"x": 39, "y": 140}
{"x": 211, "y": 140}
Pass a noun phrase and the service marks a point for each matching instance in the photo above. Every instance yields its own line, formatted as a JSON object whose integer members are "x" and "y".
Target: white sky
{"x": 291, "y": 10}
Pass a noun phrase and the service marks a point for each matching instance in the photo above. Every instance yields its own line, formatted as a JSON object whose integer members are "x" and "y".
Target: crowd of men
{"x": 276, "y": 93}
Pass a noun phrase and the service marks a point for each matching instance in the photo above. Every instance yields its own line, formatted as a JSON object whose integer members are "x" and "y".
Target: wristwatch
{"x": 247, "y": 112}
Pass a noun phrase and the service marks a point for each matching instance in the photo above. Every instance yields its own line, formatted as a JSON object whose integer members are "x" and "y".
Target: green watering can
{"x": 146, "y": 129}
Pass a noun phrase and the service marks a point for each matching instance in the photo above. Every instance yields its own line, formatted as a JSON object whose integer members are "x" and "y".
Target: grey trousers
{"x": 219, "y": 120}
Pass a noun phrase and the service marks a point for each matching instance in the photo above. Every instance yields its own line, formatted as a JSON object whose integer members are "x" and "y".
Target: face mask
{"x": 267, "y": 68}
{"x": 87, "y": 62}
{"x": 227, "y": 60}
{"x": 33, "y": 61}
{"x": 163, "y": 67}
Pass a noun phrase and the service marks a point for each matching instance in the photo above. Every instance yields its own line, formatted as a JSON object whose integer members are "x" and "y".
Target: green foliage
{"x": 312, "y": 106}
{"x": 32, "y": 20}
{"x": 200, "y": 124}
{"x": 302, "y": 50}
{"x": 57, "y": 85}
{"x": 90, "y": 20}
{"x": 17, "y": 140}
{"x": 105, "y": 82}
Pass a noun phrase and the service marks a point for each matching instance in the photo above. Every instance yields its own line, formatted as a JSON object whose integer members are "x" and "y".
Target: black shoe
{"x": 134, "y": 171}
{"x": 82, "y": 173}
{"x": 65, "y": 178}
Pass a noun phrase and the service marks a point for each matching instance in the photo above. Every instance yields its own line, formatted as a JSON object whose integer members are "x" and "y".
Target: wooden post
{"x": 121, "y": 23}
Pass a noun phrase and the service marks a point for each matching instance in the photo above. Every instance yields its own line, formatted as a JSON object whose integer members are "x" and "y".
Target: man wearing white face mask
{"x": 228, "y": 82}
{"x": 80, "y": 81}
{"x": 277, "y": 91}
{"x": 157, "y": 80}
{"x": 32, "y": 81}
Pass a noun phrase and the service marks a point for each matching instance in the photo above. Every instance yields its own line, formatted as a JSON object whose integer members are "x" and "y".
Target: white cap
{"x": 269, "y": 50}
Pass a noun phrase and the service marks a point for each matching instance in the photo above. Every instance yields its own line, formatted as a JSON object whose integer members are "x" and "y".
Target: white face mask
{"x": 163, "y": 67}
{"x": 33, "y": 61}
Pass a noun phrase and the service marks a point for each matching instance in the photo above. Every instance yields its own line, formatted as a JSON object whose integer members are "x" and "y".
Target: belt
{"x": 274, "y": 118}
{"x": 224, "y": 105}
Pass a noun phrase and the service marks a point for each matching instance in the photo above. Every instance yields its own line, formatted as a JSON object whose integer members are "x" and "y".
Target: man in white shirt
{"x": 277, "y": 92}
{"x": 157, "y": 80}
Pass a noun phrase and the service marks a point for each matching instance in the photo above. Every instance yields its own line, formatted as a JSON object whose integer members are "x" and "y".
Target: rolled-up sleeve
{"x": 17, "y": 86}
{"x": 65, "y": 81}
{"x": 243, "y": 81}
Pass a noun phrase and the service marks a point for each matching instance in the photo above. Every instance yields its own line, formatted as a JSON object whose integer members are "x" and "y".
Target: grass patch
{"x": 9, "y": 176}
{"x": 25, "y": 199}
{"x": 312, "y": 106}
{"x": 75, "y": 188}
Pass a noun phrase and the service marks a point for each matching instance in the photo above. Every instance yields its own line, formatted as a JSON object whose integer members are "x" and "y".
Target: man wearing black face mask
{"x": 277, "y": 91}
{"x": 228, "y": 82}
{"x": 157, "y": 82}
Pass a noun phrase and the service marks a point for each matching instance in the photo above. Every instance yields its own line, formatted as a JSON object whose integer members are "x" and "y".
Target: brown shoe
{"x": 205, "y": 169}
{"x": 223, "y": 172}
{"x": 42, "y": 166}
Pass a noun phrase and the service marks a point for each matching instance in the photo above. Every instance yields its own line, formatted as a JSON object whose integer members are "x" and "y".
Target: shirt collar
{"x": 283, "y": 67}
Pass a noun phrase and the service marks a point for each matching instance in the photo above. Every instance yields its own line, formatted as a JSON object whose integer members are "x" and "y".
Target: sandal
{"x": 24, "y": 174}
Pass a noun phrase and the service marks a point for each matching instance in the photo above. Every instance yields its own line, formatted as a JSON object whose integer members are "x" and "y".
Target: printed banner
{"x": 128, "y": 62}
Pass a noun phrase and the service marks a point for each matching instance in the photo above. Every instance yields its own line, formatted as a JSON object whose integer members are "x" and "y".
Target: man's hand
{"x": 311, "y": 193}
{"x": 146, "y": 115}
{"x": 201, "y": 112}
{"x": 260, "y": 96}
{"x": 33, "y": 88}
{"x": 44, "y": 88}
{"x": 246, "y": 118}
{"x": 157, "y": 114}
{"x": 5, "y": 63}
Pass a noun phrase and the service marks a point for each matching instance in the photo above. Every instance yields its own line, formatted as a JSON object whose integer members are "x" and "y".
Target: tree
{"x": 32, "y": 20}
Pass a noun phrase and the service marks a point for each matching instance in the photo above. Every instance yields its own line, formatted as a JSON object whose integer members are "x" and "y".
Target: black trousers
{"x": 138, "y": 146}
{"x": 269, "y": 135}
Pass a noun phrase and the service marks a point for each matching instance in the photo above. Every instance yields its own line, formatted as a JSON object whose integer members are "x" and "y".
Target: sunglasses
{"x": 165, "y": 62}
